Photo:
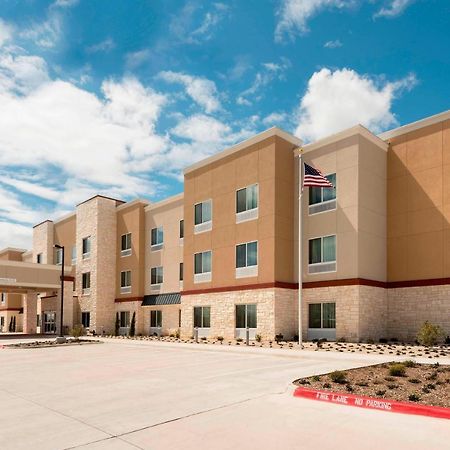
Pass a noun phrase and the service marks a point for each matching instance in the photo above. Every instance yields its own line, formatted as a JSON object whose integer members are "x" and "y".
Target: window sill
{"x": 156, "y": 247}
{"x": 125, "y": 289}
{"x": 126, "y": 252}
{"x": 245, "y": 272}
{"x": 325, "y": 267}
{"x": 181, "y": 242}
{"x": 86, "y": 291}
{"x": 245, "y": 216}
{"x": 155, "y": 287}
{"x": 86, "y": 255}
{"x": 202, "y": 277}
{"x": 203, "y": 227}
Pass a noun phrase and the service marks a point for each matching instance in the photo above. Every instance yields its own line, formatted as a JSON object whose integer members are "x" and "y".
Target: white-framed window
{"x": 125, "y": 282}
{"x": 203, "y": 216}
{"x": 156, "y": 276}
{"x": 202, "y": 316}
{"x": 74, "y": 254}
{"x": 39, "y": 258}
{"x": 156, "y": 318}
{"x": 322, "y": 315}
{"x": 323, "y": 199}
{"x": 246, "y": 316}
{"x": 86, "y": 247}
{"x": 58, "y": 256}
{"x": 86, "y": 319}
{"x": 247, "y": 203}
{"x": 202, "y": 266}
{"x": 124, "y": 319}
{"x": 125, "y": 244}
{"x": 157, "y": 238}
{"x": 86, "y": 282}
{"x": 322, "y": 254}
{"x": 247, "y": 259}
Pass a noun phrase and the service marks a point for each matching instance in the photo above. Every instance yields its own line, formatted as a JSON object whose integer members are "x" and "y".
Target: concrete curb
{"x": 380, "y": 404}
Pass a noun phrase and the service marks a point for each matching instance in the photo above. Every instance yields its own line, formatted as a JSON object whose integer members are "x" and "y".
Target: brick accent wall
{"x": 43, "y": 242}
{"x": 409, "y": 308}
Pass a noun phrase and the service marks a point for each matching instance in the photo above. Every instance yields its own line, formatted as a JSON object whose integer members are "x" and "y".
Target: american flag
{"x": 314, "y": 177}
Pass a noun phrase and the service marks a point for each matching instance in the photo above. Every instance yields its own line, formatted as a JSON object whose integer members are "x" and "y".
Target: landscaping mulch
{"x": 47, "y": 344}
{"x": 421, "y": 383}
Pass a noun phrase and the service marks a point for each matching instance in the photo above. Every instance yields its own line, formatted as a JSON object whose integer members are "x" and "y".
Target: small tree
{"x": 429, "y": 334}
{"x": 133, "y": 325}
{"x": 117, "y": 325}
{"x": 10, "y": 328}
{"x": 14, "y": 324}
{"x": 77, "y": 331}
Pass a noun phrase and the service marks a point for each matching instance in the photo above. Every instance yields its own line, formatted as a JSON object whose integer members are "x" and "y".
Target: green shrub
{"x": 278, "y": 338}
{"x": 117, "y": 325}
{"x": 326, "y": 385}
{"x": 203, "y": 338}
{"x": 392, "y": 386}
{"x": 413, "y": 397}
{"x": 258, "y": 338}
{"x": 397, "y": 370}
{"x": 338, "y": 377}
{"x": 77, "y": 331}
{"x": 315, "y": 378}
{"x": 370, "y": 341}
{"x": 409, "y": 363}
{"x": 380, "y": 393}
{"x": 414, "y": 381}
{"x": 349, "y": 388}
{"x": 429, "y": 334}
{"x": 239, "y": 340}
{"x": 220, "y": 338}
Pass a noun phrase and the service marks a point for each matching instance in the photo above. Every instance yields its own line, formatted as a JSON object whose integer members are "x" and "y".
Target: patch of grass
{"x": 409, "y": 363}
{"x": 397, "y": 370}
{"x": 315, "y": 378}
{"x": 414, "y": 397}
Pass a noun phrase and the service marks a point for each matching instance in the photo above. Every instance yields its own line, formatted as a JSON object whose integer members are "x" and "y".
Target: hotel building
{"x": 223, "y": 256}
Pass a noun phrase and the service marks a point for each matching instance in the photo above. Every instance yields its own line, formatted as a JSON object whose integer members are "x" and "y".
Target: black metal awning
{"x": 162, "y": 299}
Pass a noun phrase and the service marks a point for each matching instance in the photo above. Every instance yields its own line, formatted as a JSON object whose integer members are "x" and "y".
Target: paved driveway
{"x": 139, "y": 394}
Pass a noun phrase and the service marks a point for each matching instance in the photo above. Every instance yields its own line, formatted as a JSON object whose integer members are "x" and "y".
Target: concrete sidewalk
{"x": 143, "y": 394}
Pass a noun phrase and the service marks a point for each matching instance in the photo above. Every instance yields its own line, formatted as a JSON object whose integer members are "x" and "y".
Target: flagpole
{"x": 300, "y": 247}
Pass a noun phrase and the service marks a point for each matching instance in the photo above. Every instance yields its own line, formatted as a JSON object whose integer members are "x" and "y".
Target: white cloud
{"x": 333, "y": 44}
{"x": 47, "y": 33}
{"x": 106, "y": 45}
{"x": 270, "y": 72}
{"x": 294, "y": 15}
{"x": 14, "y": 235}
{"x": 275, "y": 118}
{"x": 201, "y": 90}
{"x": 135, "y": 59}
{"x": 5, "y": 32}
{"x": 335, "y": 100}
{"x": 65, "y": 3}
{"x": 393, "y": 8}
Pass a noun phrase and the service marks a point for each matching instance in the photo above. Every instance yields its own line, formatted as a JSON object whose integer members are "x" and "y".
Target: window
{"x": 39, "y": 258}
{"x": 86, "y": 282}
{"x": 125, "y": 282}
{"x": 203, "y": 216}
{"x": 86, "y": 246}
{"x": 125, "y": 245}
{"x": 157, "y": 238}
{"x": 247, "y": 203}
{"x": 124, "y": 319}
{"x": 181, "y": 271}
{"x": 38, "y": 320}
{"x": 323, "y": 199}
{"x": 156, "y": 319}
{"x": 202, "y": 316}
{"x": 202, "y": 267}
{"x": 156, "y": 275}
{"x": 86, "y": 319}
{"x": 322, "y": 315}
{"x": 247, "y": 259}
{"x": 3, "y": 297}
{"x": 245, "y": 316}
{"x": 181, "y": 229}
{"x": 58, "y": 256}
{"x": 322, "y": 254}
{"x": 74, "y": 254}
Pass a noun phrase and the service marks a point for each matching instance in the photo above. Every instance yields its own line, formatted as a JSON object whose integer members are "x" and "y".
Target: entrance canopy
{"x": 23, "y": 277}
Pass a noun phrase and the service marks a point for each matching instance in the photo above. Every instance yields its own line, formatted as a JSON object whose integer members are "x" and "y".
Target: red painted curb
{"x": 380, "y": 404}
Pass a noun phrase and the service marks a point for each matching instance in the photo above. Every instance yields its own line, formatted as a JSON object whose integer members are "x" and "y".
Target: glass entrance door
{"x": 49, "y": 322}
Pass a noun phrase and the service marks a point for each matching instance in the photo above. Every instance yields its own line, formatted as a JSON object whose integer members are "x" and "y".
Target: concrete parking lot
{"x": 136, "y": 394}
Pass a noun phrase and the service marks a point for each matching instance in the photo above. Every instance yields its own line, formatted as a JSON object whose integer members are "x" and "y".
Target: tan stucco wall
{"x": 418, "y": 204}
{"x": 168, "y": 215}
{"x": 131, "y": 219}
{"x": 64, "y": 233}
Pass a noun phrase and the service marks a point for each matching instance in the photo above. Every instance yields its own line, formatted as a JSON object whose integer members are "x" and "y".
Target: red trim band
{"x": 381, "y": 404}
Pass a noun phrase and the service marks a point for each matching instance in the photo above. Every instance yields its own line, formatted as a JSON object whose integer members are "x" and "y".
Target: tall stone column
{"x": 29, "y": 313}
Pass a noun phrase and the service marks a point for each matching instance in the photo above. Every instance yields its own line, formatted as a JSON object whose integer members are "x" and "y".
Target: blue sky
{"x": 117, "y": 96}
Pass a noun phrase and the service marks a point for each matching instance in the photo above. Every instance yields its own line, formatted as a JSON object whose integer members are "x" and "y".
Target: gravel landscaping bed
{"x": 45, "y": 344}
{"x": 407, "y": 381}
